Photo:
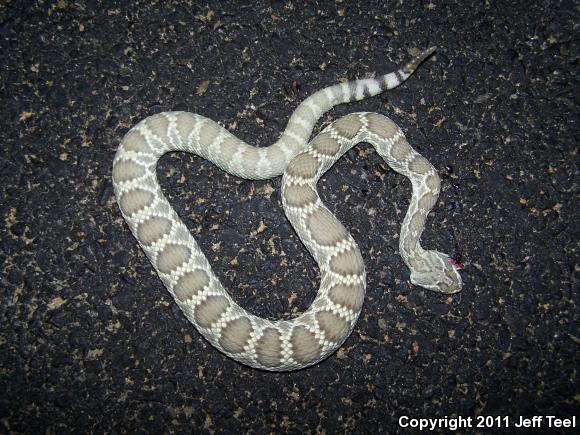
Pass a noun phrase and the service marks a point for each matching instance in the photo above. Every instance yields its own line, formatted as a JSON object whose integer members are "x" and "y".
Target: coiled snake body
{"x": 185, "y": 271}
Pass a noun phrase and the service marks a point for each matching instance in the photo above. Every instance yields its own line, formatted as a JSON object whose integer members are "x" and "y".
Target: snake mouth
{"x": 456, "y": 264}
{"x": 452, "y": 290}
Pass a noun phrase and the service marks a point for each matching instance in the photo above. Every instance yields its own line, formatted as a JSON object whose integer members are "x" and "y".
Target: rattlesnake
{"x": 312, "y": 336}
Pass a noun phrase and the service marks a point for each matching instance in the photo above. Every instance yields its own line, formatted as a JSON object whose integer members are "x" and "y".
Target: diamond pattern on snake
{"x": 315, "y": 334}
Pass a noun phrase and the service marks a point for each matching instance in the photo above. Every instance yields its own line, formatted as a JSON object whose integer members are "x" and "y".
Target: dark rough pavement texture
{"x": 91, "y": 341}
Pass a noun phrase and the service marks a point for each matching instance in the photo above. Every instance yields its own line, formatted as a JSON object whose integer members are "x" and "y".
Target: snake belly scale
{"x": 185, "y": 271}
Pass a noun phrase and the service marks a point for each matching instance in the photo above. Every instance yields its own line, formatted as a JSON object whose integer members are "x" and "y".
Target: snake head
{"x": 438, "y": 273}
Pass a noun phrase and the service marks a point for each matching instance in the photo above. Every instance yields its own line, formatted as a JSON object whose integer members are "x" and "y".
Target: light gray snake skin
{"x": 312, "y": 336}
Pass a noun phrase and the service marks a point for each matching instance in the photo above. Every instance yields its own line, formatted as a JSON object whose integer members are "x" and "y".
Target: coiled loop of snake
{"x": 184, "y": 269}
